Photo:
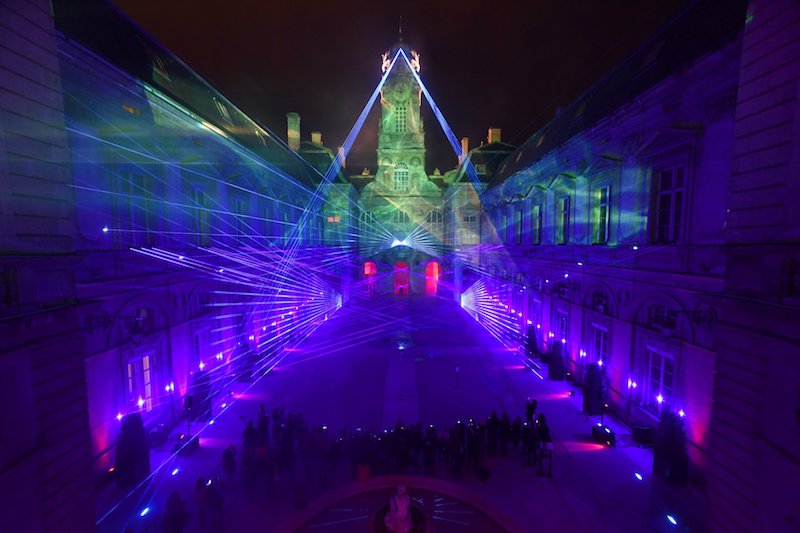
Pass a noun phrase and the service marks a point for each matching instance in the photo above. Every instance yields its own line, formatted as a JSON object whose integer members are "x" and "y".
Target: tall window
{"x": 563, "y": 323}
{"x": 603, "y": 215}
{"x": 241, "y": 225}
{"x": 660, "y": 376}
{"x": 536, "y": 224}
{"x": 563, "y": 220}
{"x": 400, "y": 119}
{"x": 668, "y": 204}
{"x": 400, "y": 217}
{"x": 200, "y": 216}
{"x": 434, "y": 222}
{"x": 599, "y": 343}
{"x": 134, "y": 207}
{"x": 518, "y": 226}
{"x": 140, "y": 386}
{"x": 469, "y": 231}
{"x": 401, "y": 180}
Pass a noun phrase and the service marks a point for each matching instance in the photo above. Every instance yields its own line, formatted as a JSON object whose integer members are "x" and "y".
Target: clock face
{"x": 404, "y": 91}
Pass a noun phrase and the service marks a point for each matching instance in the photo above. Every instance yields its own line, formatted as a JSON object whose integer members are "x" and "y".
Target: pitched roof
{"x": 702, "y": 27}
{"x": 105, "y": 30}
{"x": 486, "y": 159}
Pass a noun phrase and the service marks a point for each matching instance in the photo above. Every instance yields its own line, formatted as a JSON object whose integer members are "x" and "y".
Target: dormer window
{"x": 223, "y": 110}
{"x": 159, "y": 67}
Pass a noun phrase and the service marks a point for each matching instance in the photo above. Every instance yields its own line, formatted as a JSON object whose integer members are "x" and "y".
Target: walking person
{"x": 545, "y": 446}
{"x": 516, "y": 431}
{"x": 216, "y": 503}
{"x": 505, "y": 434}
{"x": 176, "y": 515}
{"x": 530, "y": 410}
{"x": 229, "y": 461}
{"x": 201, "y": 499}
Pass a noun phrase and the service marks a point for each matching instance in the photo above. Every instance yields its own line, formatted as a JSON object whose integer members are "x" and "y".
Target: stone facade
{"x": 659, "y": 237}
{"x": 127, "y": 191}
{"x": 755, "y": 418}
{"x": 44, "y": 438}
{"x": 651, "y": 226}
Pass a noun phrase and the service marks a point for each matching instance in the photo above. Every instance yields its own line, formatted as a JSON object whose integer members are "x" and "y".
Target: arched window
{"x": 434, "y": 222}
{"x": 401, "y": 180}
{"x": 400, "y": 217}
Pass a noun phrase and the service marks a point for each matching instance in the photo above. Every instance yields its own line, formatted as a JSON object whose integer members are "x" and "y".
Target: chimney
{"x": 293, "y": 131}
{"x": 342, "y": 157}
{"x": 316, "y": 137}
{"x": 464, "y": 149}
{"x": 494, "y": 135}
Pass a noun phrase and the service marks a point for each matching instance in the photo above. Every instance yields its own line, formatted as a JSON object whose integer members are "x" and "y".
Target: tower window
{"x": 401, "y": 180}
{"x": 400, "y": 119}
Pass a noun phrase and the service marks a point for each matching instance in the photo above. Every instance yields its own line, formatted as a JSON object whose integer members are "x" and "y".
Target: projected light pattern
{"x": 252, "y": 229}
{"x": 267, "y": 240}
{"x": 448, "y": 131}
{"x": 491, "y": 313}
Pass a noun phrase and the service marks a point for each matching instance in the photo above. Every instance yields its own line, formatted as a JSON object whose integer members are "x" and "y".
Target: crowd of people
{"x": 279, "y": 451}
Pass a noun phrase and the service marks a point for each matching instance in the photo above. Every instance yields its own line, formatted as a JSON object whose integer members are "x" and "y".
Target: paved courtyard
{"x": 384, "y": 359}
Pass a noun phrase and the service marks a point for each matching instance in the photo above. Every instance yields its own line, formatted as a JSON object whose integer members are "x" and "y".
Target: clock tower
{"x": 402, "y": 199}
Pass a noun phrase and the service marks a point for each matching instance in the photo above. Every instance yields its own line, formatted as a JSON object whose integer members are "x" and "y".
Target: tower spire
{"x": 400, "y": 29}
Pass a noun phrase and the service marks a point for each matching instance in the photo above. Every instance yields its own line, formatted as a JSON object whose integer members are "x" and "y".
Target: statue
{"x": 385, "y": 62}
{"x": 398, "y": 519}
{"x": 415, "y": 60}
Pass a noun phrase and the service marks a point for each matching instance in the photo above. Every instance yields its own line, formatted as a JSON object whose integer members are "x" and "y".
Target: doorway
{"x": 371, "y": 275}
{"x": 401, "y": 278}
{"x": 432, "y": 278}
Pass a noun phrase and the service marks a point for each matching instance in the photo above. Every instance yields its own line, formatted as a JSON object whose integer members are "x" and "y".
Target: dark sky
{"x": 500, "y": 63}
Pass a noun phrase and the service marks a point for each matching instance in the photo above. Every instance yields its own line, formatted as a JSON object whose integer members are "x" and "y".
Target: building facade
{"x": 155, "y": 239}
{"x": 649, "y": 230}
{"x": 151, "y": 235}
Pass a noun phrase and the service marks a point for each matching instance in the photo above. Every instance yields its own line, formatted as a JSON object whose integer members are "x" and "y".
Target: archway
{"x": 432, "y": 278}
{"x": 401, "y": 278}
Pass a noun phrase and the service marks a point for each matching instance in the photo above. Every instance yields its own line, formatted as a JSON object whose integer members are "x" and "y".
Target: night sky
{"x": 508, "y": 64}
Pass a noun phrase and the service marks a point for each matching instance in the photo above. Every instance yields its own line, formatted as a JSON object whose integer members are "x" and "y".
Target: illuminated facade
{"x": 653, "y": 229}
{"x": 140, "y": 162}
{"x": 402, "y": 206}
{"x": 631, "y": 232}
